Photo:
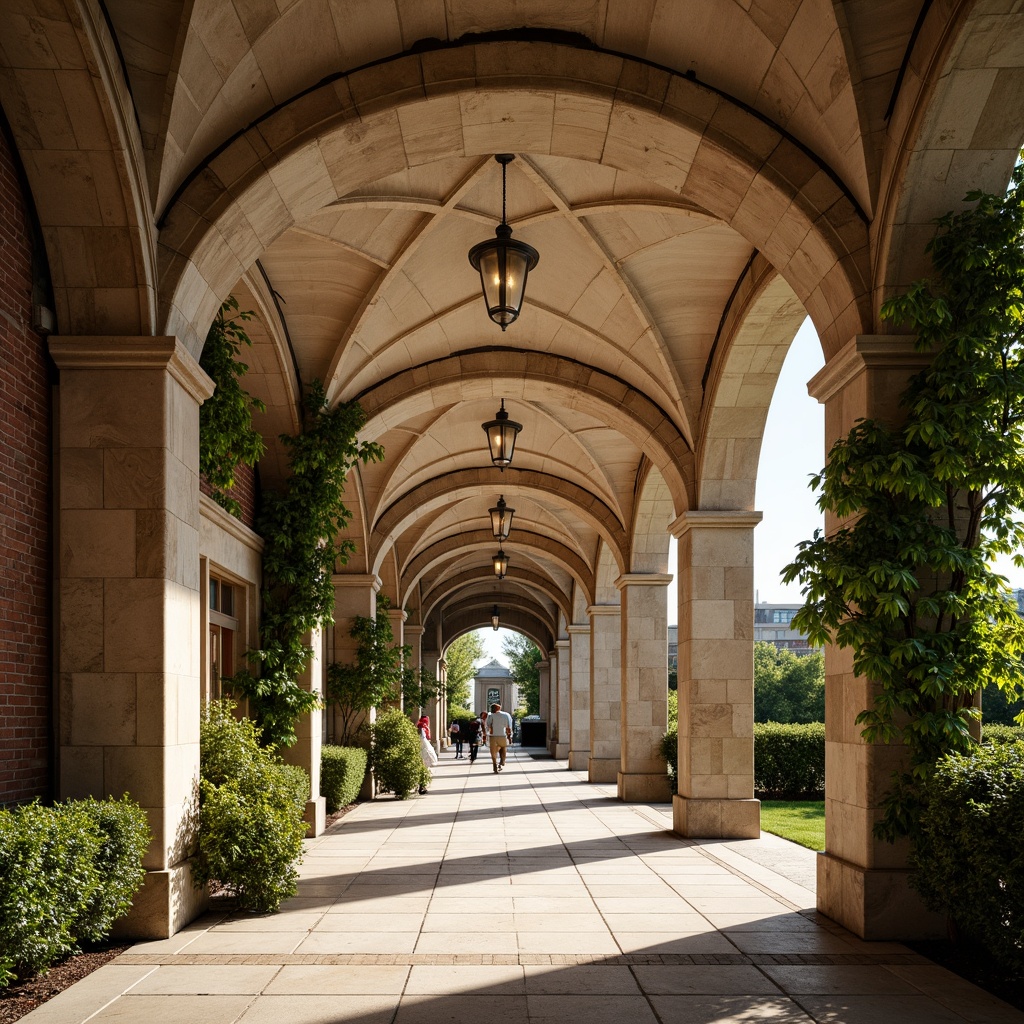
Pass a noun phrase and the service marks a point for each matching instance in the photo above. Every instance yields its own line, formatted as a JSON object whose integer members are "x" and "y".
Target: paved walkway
{"x": 529, "y": 896}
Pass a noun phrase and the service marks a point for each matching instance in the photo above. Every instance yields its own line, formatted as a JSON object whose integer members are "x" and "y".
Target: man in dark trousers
{"x": 474, "y": 733}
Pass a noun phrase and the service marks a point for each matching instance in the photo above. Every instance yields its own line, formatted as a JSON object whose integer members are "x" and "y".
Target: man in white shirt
{"x": 499, "y": 732}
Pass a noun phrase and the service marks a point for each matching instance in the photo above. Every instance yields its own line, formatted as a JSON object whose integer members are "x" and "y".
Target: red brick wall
{"x": 25, "y": 691}
{"x": 244, "y": 492}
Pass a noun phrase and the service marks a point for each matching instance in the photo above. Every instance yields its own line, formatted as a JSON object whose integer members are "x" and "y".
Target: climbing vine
{"x": 226, "y": 435}
{"x": 301, "y": 528}
{"x": 906, "y": 583}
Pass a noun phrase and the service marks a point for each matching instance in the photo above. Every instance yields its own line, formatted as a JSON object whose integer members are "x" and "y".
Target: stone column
{"x": 397, "y": 617}
{"x": 127, "y": 596}
{"x": 579, "y": 698}
{"x": 560, "y": 744}
{"x": 863, "y": 882}
{"x": 715, "y": 798}
{"x": 644, "y": 681}
{"x": 309, "y": 729}
{"x": 439, "y": 709}
{"x": 544, "y": 687}
{"x": 354, "y": 594}
{"x": 605, "y": 693}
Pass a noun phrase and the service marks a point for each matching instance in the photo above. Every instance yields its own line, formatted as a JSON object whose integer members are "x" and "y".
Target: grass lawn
{"x": 801, "y": 821}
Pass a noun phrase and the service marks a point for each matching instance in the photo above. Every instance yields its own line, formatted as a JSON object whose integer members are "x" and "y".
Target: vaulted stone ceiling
{"x": 697, "y": 177}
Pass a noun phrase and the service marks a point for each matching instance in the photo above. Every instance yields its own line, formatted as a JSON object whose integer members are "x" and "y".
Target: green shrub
{"x": 789, "y": 760}
{"x": 66, "y": 874}
{"x": 395, "y": 754}
{"x": 251, "y": 809}
{"x": 124, "y": 839}
{"x": 1001, "y": 733}
{"x": 969, "y": 861}
{"x": 341, "y": 775}
{"x": 669, "y": 750}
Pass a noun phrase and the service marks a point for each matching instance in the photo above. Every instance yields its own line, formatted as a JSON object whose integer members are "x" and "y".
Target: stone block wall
{"x": 25, "y": 674}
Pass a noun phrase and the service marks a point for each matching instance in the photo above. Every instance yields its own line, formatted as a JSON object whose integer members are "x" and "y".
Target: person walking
{"x": 455, "y": 731}
{"x": 427, "y": 753}
{"x": 499, "y": 734}
{"x": 475, "y": 734}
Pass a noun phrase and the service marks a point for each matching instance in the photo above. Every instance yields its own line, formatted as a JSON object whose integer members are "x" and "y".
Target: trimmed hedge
{"x": 1001, "y": 733}
{"x": 67, "y": 873}
{"x": 789, "y": 760}
{"x": 341, "y": 775}
{"x": 395, "y": 755}
{"x": 251, "y": 808}
{"x": 969, "y": 859}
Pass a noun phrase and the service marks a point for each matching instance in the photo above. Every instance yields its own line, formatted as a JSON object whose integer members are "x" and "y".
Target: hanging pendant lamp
{"x": 501, "y": 519}
{"x": 501, "y": 437}
{"x": 494, "y": 618}
{"x": 503, "y": 264}
{"x": 500, "y": 564}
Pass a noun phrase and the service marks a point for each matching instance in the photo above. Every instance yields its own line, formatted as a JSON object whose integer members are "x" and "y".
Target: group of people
{"x": 495, "y": 728}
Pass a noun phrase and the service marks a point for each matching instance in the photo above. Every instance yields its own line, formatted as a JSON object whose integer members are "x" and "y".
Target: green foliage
{"x": 789, "y": 759}
{"x": 673, "y": 708}
{"x": 799, "y": 821}
{"x": 461, "y": 657}
{"x": 998, "y": 709}
{"x": 374, "y": 678}
{"x": 341, "y": 775}
{"x": 523, "y": 655}
{"x": 788, "y": 687}
{"x": 395, "y": 754}
{"x": 67, "y": 873}
{"x": 996, "y": 734}
{"x": 251, "y": 809}
{"x": 226, "y": 435}
{"x": 669, "y": 750}
{"x": 301, "y": 529}
{"x": 969, "y": 862}
{"x": 419, "y": 688}
{"x": 906, "y": 583}
{"x": 460, "y": 715}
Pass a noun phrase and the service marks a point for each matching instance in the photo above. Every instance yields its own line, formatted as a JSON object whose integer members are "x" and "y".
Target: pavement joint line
{"x": 520, "y": 959}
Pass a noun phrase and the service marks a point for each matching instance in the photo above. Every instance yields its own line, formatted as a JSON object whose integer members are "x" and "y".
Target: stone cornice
{"x": 360, "y": 579}
{"x": 561, "y": 645}
{"x": 714, "y": 519}
{"x": 577, "y": 629}
{"x": 863, "y": 352}
{"x": 101, "y": 352}
{"x": 604, "y": 609}
{"x": 643, "y": 579}
{"x": 223, "y": 520}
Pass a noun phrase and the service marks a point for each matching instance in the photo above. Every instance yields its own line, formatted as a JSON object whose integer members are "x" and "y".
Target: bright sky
{"x": 792, "y": 450}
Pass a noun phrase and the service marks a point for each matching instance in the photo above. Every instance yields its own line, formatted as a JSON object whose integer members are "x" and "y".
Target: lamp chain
{"x": 503, "y": 169}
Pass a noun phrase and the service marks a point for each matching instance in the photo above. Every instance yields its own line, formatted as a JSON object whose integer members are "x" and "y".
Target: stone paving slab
{"x": 539, "y": 896}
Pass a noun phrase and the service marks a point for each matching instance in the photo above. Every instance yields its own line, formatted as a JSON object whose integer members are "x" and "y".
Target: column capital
{"x": 398, "y": 613}
{"x": 643, "y": 579}
{"x": 866, "y": 352}
{"x": 577, "y": 628}
{"x": 562, "y": 645}
{"x": 357, "y": 579}
{"x": 415, "y": 630}
{"x": 102, "y": 352}
{"x": 543, "y": 663}
{"x": 713, "y": 519}
{"x": 604, "y": 609}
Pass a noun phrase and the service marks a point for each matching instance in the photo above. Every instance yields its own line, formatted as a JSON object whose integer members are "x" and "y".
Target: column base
{"x": 561, "y": 751}
{"x": 604, "y": 769}
{"x": 315, "y": 817}
{"x": 716, "y": 818}
{"x": 646, "y": 789}
{"x": 578, "y": 760}
{"x": 166, "y": 903}
{"x": 874, "y": 903}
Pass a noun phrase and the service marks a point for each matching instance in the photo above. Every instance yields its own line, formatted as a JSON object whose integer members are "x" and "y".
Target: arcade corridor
{"x": 519, "y": 897}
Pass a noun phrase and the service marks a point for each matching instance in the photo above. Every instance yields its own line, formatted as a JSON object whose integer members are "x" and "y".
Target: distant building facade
{"x": 773, "y": 624}
{"x": 493, "y": 684}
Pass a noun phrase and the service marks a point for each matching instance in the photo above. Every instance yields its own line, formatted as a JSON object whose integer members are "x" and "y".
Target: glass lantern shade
{"x": 500, "y": 564}
{"x": 501, "y": 519}
{"x": 504, "y": 265}
{"x": 494, "y": 618}
{"x": 501, "y": 437}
